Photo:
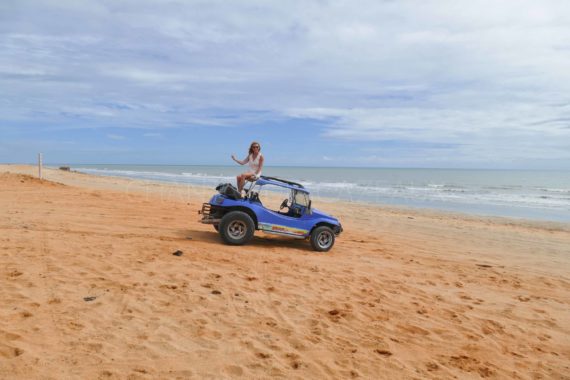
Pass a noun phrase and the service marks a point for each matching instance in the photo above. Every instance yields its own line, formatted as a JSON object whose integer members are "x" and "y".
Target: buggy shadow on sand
{"x": 236, "y": 217}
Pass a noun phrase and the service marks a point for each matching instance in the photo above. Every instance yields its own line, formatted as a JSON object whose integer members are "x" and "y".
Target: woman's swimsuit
{"x": 254, "y": 164}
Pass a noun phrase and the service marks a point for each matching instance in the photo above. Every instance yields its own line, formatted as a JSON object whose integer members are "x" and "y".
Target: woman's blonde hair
{"x": 251, "y": 147}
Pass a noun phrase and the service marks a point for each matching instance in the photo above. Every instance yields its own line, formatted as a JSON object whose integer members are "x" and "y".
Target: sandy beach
{"x": 90, "y": 289}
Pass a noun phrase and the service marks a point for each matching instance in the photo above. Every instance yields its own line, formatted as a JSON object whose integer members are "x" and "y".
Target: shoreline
{"x": 434, "y": 201}
{"x": 149, "y": 186}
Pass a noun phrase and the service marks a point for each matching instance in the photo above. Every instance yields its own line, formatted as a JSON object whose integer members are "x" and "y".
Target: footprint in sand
{"x": 294, "y": 360}
{"x": 26, "y": 314}
{"x": 9, "y": 352}
{"x": 296, "y": 364}
{"x": 335, "y": 315}
{"x": 490, "y": 327}
{"x": 234, "y": 370}
{"x": 422, "y": 311}
{"x": 94, "y": 347}
{"x": 469, "y": 364}
{"x": 413, "y": 329}
{"x": 75, "y": 325}
{"x": 383, "y": 352}
{"x": 8, "y": 336}
{"x": 432, "y": 366}
{"x": 14, "y": 274}
{"x": 523, "y": 298}
{"x": 271, "y": 323}
{"x": 105, "y": 374}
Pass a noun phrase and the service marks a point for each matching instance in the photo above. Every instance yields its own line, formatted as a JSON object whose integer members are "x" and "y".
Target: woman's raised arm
{"x": 241, "y": 162}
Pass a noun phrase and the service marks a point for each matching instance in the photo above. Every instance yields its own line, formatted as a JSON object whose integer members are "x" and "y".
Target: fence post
{"x": 40, "y": 163}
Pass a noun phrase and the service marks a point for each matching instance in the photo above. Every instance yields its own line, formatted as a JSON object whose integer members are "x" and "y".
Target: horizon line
{"x": 293, "y": 166}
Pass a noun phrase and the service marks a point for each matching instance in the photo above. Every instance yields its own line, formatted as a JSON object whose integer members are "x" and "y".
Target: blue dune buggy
{"x": 236, "y": 217}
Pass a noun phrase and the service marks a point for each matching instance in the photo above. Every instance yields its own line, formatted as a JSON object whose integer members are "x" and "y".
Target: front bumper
{"x": 337, "y": 229}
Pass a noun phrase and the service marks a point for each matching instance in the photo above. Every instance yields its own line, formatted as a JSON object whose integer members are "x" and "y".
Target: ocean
{"x": 527, "y": 194}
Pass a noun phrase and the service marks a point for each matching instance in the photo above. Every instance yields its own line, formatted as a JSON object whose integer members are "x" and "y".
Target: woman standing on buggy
{"x": 255, "y": 160}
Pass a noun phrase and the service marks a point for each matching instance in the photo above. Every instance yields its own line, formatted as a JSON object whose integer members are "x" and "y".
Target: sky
{"x": 444, "y": 84}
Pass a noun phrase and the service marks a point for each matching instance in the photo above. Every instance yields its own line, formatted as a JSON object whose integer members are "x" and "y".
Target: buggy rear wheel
{"x": 322, "y": 239}
{"x": 236, "y": 228}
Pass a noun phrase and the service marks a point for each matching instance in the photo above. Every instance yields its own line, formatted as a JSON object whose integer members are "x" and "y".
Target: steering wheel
{"x": 283, "y": 204}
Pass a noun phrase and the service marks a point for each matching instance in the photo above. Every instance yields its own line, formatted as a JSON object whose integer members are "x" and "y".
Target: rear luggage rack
{"x": 207, "y": 216}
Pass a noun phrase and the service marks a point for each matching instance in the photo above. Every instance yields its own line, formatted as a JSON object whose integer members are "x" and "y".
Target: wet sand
{"x": 90, "y": 288}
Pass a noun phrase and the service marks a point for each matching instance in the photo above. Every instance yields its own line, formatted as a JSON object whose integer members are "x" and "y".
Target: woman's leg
{"x": 242, "y": 178}
{"x": 239, "y": 180}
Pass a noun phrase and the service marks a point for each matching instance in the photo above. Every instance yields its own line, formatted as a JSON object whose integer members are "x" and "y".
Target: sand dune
{"x": 89, "y": 288}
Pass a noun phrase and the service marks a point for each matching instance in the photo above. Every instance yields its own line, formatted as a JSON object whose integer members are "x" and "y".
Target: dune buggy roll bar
{"x": 283, "y": 181}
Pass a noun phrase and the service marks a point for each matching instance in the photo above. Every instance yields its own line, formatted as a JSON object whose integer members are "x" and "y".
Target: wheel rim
{"x": 325, "y": 239}
{"x": 237, "y": 229}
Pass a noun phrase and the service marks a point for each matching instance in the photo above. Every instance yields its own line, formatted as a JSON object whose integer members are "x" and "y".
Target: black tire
{"x": 322, "y": 239}
{"x": 236, "y": 228}
{"x": 216, "y": 227}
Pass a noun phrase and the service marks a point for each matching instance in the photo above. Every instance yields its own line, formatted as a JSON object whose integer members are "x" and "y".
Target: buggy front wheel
{"x": 322, "y": 239}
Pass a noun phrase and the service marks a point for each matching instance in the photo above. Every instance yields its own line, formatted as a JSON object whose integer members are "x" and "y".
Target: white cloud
{"x": 153, "y": 134}
{"x": 115, "y": 137}
{"x": 79, "y": 111}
